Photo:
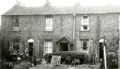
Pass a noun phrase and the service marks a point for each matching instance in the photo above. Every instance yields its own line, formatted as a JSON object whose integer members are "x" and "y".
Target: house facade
{"x": 50, "y": 29}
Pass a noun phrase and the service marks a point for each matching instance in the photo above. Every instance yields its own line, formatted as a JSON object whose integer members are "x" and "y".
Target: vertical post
{"x": 104, "y": 51}
{"x": 105, "y": 61}
{"x": 74, "y": 30}
{"x": 98, "y": 36}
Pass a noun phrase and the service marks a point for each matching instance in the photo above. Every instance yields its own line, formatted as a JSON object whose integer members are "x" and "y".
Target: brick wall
{"x": 32, "y": 26}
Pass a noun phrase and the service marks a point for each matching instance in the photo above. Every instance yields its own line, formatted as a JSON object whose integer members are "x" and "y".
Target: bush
{"x": 112, "y": 60}
{"x": 112, "y": 53}
{"x": 75, "y": 61}
{"x": 7, "y": 64}
{"x": 23, "y": 65}
{"x": 67, "y": 57}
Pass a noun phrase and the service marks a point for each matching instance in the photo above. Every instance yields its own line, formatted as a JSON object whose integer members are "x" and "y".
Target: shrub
{"x": 75, "y": 61}
{"x": 67, "y": 57}
{"x": 112, "y": 53}
{"x": 112, "y": 60}
{"x": 7, "y": 64}
{"x": 23, "y": 65}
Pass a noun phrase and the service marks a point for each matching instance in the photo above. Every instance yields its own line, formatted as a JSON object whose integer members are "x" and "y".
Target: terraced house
{"x": 51, "y": 29}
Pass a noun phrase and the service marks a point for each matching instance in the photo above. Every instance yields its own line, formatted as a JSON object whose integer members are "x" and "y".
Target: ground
{"x": 66, "y": 67}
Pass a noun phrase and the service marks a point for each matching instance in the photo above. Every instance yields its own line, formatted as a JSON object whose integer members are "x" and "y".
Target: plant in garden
{"x": 67, "y": 57}
{"x": 112, "y": 53}
{"x": 23, "y": 65}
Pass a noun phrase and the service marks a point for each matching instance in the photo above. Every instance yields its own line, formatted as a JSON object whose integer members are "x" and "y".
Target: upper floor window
{"x": 85, "y": 23}
{"x": 48, "y": 23}
{"x": 16, "y": 24}
{"x": 48, "y": 46}
{"x": 84, "y": 44}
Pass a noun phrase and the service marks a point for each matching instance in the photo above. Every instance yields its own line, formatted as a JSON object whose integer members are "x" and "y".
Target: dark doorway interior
{"x": 100, "y": 51}
{"x": 63, "y": 46}
{"x": 30, "y": 49}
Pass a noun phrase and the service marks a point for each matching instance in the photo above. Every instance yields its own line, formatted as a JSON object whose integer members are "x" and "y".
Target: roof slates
{"x": 17, "y": 10}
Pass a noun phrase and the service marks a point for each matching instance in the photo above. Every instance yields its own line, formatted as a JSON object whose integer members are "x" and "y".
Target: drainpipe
{"x": 104, "y": 52}
{"x": 74, "y": 31}
{"x": 98, "y": 37}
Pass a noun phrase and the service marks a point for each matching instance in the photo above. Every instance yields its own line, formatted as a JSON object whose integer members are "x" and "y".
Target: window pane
{"x": 85, "y": 17}
{"x": 85, "y": 27}
{"x": 49, "y": 24}
{"x": 85, "y": 44}
{"x": 48, "y": 45}
{"x": 85, "y": 20}
{"x": 16, "y": 22}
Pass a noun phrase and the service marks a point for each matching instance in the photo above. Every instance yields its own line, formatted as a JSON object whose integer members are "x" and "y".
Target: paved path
{"x": 42, "y": 67}
{"x": 66, "y": 67}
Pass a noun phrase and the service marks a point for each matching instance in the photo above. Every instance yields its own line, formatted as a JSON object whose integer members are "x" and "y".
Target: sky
{"x": 5, "y": 5}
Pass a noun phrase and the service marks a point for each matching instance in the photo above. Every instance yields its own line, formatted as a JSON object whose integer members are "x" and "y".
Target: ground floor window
{"x": 84, "y": 43}
{"x": 48, "y": 46}
{"x": 16, "y": 45}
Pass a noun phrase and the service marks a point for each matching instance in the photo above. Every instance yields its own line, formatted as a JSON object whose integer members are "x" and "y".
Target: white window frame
{"x": 48, "y": 46}
{"x": 84, "y": 22}
{"x": 48, "y": 23}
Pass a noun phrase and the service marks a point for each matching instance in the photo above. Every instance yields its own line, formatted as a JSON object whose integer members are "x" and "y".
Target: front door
{"x": 63, "y": 46}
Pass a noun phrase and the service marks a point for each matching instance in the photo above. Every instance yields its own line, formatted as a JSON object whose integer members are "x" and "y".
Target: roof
{"x": 43, "y": 10}
{"x": 64, "y": 39}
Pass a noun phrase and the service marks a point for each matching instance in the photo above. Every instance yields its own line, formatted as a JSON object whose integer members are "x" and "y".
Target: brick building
{"x": 53, "y": 29}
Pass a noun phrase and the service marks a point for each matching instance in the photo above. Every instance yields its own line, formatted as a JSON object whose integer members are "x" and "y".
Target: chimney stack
{"x": 47, "y": 3}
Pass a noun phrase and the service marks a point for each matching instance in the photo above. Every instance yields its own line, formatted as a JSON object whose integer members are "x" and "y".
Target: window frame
{"x": 84, "y": 22}
{"x": 16, "y": 23}
{"x": 48, "y": 23}
{"x": 84, "y": 41}
{"x": 46, "y": 48}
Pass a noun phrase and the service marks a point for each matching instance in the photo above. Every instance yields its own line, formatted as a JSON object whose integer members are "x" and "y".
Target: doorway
{"x": 63, "y": 46}
{"x": 30, "y": 49}
{"x": 101, "y": 51}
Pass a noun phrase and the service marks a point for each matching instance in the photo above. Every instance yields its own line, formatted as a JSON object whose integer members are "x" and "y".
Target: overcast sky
{"x": 7, "y": 4}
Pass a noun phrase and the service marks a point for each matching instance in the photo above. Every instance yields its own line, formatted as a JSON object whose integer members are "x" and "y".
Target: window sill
{"x": 84, "y": 49}
{"x": 84, "y": 30}
{"x": 15, "y": 30}
{"x": 48, "y": 30}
